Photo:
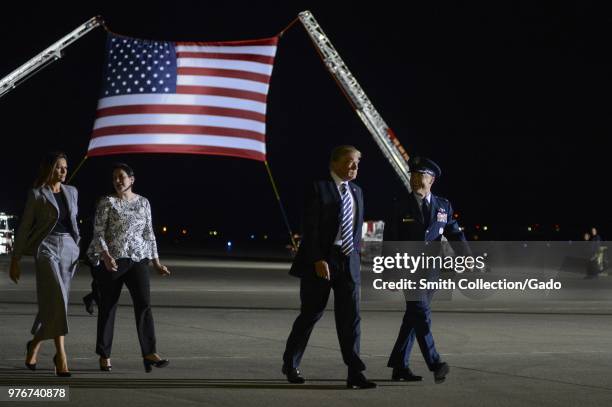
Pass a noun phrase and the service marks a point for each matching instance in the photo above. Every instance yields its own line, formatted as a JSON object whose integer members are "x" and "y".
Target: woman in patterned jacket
{"x": 122, "y": 248}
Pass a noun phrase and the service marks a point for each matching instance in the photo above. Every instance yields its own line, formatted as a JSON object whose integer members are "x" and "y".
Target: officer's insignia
{"x": 442, "y": 216}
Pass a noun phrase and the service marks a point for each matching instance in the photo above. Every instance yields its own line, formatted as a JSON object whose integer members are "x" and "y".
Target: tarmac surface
{"x": 223, "y": 325}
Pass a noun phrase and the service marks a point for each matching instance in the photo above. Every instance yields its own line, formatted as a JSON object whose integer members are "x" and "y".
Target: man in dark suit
{"x": 424, "y": 217}
{"x": 328, "y": 258}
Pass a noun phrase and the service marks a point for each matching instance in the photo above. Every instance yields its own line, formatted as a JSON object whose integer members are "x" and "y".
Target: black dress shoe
{"x": 404, "y": 374}
{"x": 293, "y": 375}
{"x": 31, "y": 366}
{"x": 88, "y": 300}
{"x": 359, "y": 382}
{"x": 57, "y": 372}
{"x": 440, "y": 372}
{"x": 104, "y": 366}
{"x": 150, "y": 364}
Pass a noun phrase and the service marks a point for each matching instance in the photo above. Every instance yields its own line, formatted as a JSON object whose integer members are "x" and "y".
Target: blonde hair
{"x": 340, "y": 151}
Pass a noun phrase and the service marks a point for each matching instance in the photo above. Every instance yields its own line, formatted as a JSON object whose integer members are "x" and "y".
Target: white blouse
{"x": 124, "y": 228}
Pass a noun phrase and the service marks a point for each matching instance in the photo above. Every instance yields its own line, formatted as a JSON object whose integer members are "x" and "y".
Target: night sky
{"x": 512, "y": 100}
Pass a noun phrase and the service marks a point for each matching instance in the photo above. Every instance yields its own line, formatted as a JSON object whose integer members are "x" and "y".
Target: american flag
{"x": 184, "y": 97}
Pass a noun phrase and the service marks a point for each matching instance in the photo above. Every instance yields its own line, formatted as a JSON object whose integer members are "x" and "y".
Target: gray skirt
{"x": 56, "y": 261}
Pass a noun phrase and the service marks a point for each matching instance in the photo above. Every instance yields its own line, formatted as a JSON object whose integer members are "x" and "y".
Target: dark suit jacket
{"x": 405, "y": 223}
{"x": 322, "y": 217}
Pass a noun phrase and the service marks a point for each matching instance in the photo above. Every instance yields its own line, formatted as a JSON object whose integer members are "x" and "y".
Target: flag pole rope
{"x": 103, "y": 24}
{"x": 77, "y": 169}
{"x": 280, "y": 204}
{"x": 291, "y": 24}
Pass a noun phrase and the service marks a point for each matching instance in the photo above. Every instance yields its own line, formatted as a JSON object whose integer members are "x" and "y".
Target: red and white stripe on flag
{"x": 184, "y": 97}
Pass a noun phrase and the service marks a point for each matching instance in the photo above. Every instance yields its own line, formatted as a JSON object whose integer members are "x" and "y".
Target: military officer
{"x": 421, "y": 216}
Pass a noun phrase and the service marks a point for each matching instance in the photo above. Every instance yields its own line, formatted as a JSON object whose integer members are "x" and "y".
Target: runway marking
{"x": 584, "y": 313}
{"x": 226, "y": 357}
{"x": 140, "y": 359}
{"x": 128, "y": 383}
{"x": 366, "y": 356}
{"x": 233, "y": 383}
{"x": 578, "y": 352}
{"x": 534, "y": 378}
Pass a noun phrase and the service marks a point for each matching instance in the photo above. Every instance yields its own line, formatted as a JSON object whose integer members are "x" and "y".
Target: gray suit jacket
{"x": 40, "y": 216}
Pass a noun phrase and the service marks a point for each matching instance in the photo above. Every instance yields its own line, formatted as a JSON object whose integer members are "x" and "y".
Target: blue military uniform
{"x": 407, "y": 222}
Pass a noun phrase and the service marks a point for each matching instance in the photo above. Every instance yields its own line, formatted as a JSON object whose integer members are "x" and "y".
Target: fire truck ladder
{"x": 383, "y": 135}
{"x": 49, "y": 55}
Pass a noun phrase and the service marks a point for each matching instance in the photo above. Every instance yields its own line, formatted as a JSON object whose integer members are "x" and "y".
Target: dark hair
{"x": 338, "y": 152}
{"x": 122, "y": 166}
{"x": 47, "y": 165}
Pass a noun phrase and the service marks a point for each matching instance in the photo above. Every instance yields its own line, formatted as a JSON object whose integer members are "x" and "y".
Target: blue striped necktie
{"x": 346, "y": 231}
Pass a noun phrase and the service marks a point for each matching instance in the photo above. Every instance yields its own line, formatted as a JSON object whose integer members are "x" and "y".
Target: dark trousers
{"x": 314, "y": 293}
{"x": 416, "y": 324}
{"x": 135, "y": 275}
{"x": 94, "y": 295}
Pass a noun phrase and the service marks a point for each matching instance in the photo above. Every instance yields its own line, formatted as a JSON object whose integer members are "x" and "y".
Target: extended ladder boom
{"x": 49, "y": 55}
{"x": 383, "y": 135}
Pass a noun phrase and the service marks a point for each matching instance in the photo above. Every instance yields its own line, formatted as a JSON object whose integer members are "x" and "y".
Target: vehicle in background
{"x": 371, "y": 239}
{"x": 7, "y": 233}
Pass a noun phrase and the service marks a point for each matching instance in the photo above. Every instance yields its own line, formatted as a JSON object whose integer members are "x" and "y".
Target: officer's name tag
{"x": 407, "y": 219}
{"x": 442, "y": 217}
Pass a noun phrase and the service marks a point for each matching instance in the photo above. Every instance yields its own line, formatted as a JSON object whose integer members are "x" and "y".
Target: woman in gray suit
{"x": 49, "y": 232}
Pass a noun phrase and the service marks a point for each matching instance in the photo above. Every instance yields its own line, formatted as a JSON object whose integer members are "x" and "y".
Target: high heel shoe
{"x": 149, "y": 364}
{"x": 57, "y": 372}
{"x": 105, "y": 368}
{"x": 31, "y": 366}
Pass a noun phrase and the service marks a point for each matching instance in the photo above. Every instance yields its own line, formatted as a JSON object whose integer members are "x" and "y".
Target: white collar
{"x": 339, "y": 181}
